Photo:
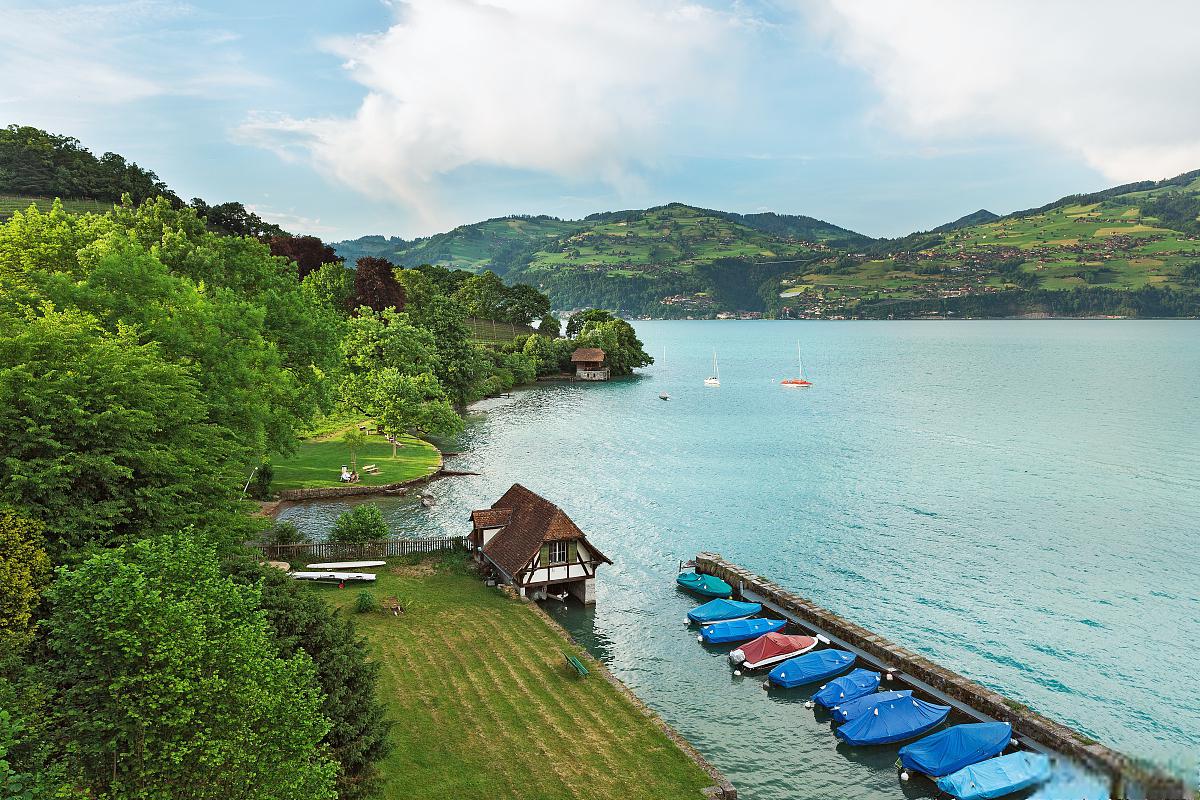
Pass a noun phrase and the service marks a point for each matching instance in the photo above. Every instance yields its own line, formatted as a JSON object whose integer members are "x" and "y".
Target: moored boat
{"x": 851, "y": 709}
{"x": 848, "y": 687}
{"x": 811, "y": 668}
{"x": 738, "y": 630}
{"x": 997, "y": 777}
{"x": 893, "y": 721}
{"x": 948, "y": 751}
{"x": 770, "y": 648}
{"x": 723, "y": 611}
{"x": 707, "y": 585}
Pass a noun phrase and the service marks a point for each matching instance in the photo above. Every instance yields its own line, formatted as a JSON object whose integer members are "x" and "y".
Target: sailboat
{"x": 800, "y": 382}
{"x": 663, "y": 395}
{"x": 715, "y": 378}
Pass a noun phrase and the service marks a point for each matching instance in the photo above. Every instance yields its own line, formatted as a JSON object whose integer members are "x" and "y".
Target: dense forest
{"x": 150, "y": 362}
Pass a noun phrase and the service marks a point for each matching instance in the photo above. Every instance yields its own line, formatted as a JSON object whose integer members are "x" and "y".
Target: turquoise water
{"x": 1019, "y": 501}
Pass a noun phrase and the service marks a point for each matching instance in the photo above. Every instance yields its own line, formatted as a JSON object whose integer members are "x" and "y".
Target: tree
{"x": 521, "y": 304}
{"x": 482, "y": 295}
{"x": 389, "y": 375}
{"x": 303, "y": 622}
{"x": 169, "y": 683}
{"x": 354, "y": 441}
{"x": 308, "y": 252}
{"x": 24, "y": 573}
{"x": 331, "y": 286}
{"x": 360, "y": 524}
{"x": 458, "y": 365}
{"x": 549, "y": 326}
{"x": 577, "y": 321}
{"x": 234, "y": 219}
{"x": 101, "y": 439}
{"x": 375, "y": 285}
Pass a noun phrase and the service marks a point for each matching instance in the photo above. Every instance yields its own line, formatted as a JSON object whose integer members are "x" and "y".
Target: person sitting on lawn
{"x": 346, "y": 476}
{"x": 354, "y": 477}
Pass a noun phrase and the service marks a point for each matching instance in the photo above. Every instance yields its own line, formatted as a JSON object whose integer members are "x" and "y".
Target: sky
{"x": 341, "y": 119}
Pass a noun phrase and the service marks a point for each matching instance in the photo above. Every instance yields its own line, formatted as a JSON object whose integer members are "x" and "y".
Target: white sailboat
{"x": 663, "y": 395}
{"x": 715, "y": 378}
{"x": 800, "y": 382}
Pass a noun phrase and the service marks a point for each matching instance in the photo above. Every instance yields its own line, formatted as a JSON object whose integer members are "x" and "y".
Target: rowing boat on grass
{"x": 339, "y": 577}
{"x": 341, "y": 565}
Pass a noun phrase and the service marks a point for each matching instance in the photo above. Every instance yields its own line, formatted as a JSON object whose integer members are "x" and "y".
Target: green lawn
{"x": 485, "y": 706}
{"x": 318, "y": 462}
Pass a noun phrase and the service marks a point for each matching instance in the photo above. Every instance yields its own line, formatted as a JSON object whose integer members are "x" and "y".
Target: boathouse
{"x": 528, "y": 542}
{"x": 589, "y": 364}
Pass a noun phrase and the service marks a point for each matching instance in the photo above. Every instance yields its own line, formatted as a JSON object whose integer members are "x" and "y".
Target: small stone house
{"x": 589, "y": 364}
{"x": 530, "y": 543}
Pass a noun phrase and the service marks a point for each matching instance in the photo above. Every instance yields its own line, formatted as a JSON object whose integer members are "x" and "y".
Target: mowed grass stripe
{"x": 482, "y": 709}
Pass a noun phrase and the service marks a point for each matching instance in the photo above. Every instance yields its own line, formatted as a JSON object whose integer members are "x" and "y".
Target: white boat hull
{"x": 343, "y": 565}
{"x": 338, "y": 577}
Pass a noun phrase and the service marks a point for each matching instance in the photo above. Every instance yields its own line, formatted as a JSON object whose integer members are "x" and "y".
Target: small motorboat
{"x": 944, "y": 752}
{"x": 893, "y": 721}
{"x": 770, "y": 648}
{"x": 844, "y": 712}
{"x": 997, "y": 777}
{"x": 340, "y": 565}
{"x": 664, "y": 396}
{"x": 738, "y": 630}
{"x": 723, "y": 611}
{"x": 335, "y": 577}
{"x": 848, "y": 687}
{"x": 811, "y": 668}
{"x": 707, "y": 585}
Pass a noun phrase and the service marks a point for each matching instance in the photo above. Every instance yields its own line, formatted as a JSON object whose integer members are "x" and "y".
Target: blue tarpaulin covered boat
{"x": 893, "y": 721}
{"x": 722, "y": 611}
{"x": 707, "y": 585}
{"x": 954, "y": 748}
{"x": 848, "y": 687}
{"x": 739, "y": 630}
{"x": 997, "y": 777}
{"x": 844, "y": 712}
{"x": 811, "y": 668}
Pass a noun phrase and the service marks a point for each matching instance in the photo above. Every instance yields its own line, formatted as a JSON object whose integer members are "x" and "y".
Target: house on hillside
{"x": 589, "y": 364}
{"x": 530, "y": 543}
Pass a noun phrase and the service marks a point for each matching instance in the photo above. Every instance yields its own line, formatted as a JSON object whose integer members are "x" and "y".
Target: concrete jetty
{"x": 1127, "y": 778}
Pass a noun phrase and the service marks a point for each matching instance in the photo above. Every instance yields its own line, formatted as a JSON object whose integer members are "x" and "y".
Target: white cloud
{"x": 581, "y": 89}
{"x": 1110, "y": 81}
{"x": 59, "y": 60}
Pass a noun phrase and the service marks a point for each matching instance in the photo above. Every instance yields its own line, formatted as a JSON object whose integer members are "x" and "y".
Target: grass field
{"x": 318, "y": 462}
{"x": 485, "y": 706}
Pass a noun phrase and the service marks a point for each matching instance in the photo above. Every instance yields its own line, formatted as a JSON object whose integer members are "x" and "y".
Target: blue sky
{"x": 357, "y": 117}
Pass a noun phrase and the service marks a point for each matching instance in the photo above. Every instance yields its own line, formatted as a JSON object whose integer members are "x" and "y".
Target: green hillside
{"x": 1139, "y": 237}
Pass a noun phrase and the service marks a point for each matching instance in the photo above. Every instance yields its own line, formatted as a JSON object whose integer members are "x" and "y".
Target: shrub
{"x": 284, "y": 533}
{"x": 260, "y": 484}
{"x": 365, "y": 602}
{"x": 24, "y": 572}
{"x": 360, "y": 524}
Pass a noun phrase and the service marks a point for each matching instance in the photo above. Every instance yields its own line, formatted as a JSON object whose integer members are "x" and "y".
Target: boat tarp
{"x": 739, "y": 630}
{"x": 718, "y": 610}
{"x": 844, "y": 712}
{"x": 771, "y": 646}
{"x": 997, "y": 777}
{"x": 848, "y": 687}
{"x": 709, "y": 585}
{"x": 810, "y": 668}
{"x": 954, "y": 748}
{"x": 893, "y": 721}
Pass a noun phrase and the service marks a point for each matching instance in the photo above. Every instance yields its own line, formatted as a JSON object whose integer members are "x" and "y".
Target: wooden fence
{"x": 358, "y": 551}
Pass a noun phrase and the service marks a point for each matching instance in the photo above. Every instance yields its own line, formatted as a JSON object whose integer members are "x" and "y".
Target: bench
{"x": 577, "y": 665}
{"x": 369, "y": 468}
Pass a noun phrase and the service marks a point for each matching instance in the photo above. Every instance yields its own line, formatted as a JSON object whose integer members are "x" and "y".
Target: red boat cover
{"x": 771, "y": 645}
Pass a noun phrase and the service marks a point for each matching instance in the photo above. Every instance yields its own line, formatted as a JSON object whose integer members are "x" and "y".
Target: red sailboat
{"x": 799, "y": 382}
{"x": 770, "y": 648}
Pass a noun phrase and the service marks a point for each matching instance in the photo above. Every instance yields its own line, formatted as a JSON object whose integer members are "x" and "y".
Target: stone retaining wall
{"x": 1128, "y": 778}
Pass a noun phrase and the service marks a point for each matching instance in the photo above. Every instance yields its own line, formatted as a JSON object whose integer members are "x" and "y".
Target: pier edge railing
{"x": 356, "y": 551}
{"x": 1127, "y": 777}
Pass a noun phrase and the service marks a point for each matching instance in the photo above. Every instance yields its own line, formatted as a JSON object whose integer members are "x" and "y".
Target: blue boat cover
{"x": 844, "y": 712}
{"x": 810, "y": 668}
{"x": 954, "y": 748}
{"x": 893, "y": 721}
{"x": 739, "y": 630}
{"x": 848, "y": 687}
{"x": 709, "y": 585}
{"x": 997, "y": 777}
{"x": 718, "y": 610}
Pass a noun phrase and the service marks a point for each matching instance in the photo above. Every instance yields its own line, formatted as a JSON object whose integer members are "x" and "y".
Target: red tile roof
{"x": 491, "y": 517}
{"x": 588, "y": 354}
{"x": 534, "y": 520}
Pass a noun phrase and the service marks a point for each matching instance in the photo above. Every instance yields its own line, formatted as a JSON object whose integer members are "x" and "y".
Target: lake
{"x": 1017, "y": 500}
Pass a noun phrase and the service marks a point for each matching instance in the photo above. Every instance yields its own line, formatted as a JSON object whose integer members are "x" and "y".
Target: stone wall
{"x": 1128, "y": 778}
